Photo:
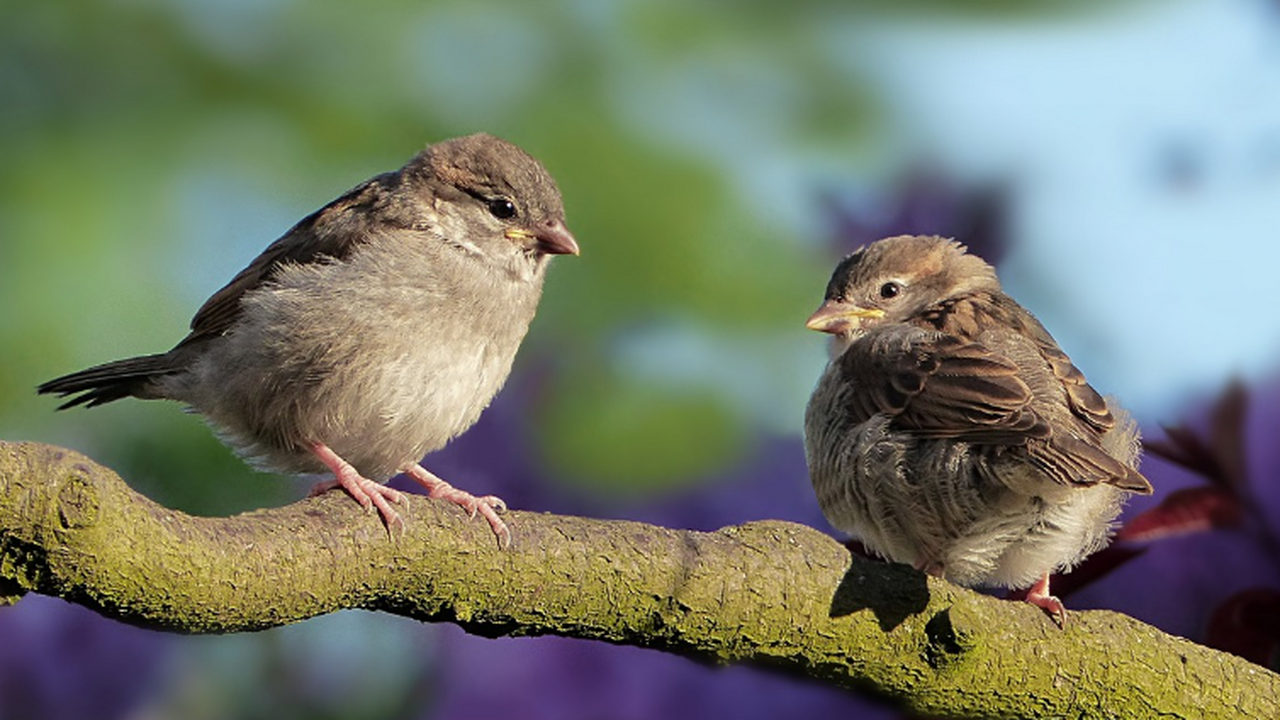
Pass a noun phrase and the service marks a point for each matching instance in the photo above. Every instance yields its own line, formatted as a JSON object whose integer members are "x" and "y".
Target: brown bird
{"x": 950, "y": 432}
{"x": 374, "y": 331}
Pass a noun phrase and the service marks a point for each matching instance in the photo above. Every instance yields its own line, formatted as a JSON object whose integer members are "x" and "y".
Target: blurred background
{"x": 1119, "y": 161}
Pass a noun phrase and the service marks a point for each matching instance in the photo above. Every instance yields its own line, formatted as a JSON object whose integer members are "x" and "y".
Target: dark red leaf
{"x": 1220, "y": 458}
{"x": 1189, "y": 510}
{"x": 1226, "y": 434}
{"x": 1248, "y": 625}
{"x": 1184, "y": 448}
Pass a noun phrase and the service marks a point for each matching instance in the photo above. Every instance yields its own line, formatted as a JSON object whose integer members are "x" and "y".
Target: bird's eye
{"x": 502, "y": 208}
{"x": 890, "y": 290}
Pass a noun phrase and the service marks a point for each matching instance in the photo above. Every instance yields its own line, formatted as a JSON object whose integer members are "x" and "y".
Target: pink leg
{"x": 368, "y": 493}
{"x": 486, "y": 505}
{"x": 1039, "y": 596}
{"x": 930, "y": 567}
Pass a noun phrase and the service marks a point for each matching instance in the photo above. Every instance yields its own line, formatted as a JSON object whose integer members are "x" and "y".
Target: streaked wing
{"x": 1085, "y": 402}
{"x": 940, "y": 386}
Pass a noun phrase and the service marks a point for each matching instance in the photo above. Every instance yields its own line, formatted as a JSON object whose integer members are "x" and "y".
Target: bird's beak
{"x": 836, "y": 317}
{"x": 552, "y": 238}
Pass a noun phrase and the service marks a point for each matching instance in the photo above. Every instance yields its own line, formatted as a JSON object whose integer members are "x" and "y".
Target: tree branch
{"x": 768, "y": 593}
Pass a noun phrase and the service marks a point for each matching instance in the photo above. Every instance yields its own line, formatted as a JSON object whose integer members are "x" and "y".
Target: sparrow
{"x": 373, "y": 332}
{"x": 950, "y": 432}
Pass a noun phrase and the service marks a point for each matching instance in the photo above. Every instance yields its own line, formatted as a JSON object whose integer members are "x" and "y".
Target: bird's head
{"x": 892, "y": 280}
{"x": 497, "y": 201}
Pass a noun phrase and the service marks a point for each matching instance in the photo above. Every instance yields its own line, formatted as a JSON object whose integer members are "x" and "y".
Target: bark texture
{"x": 768, "y": 593}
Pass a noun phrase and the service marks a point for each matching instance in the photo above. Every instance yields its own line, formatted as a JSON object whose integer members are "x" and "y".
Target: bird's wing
{"x": 941, "y": 386}
{"x": 1069, "y": 460}
{"x": 937, "y": 385}
{"x": 331, "y": 232}
{"x": 1074, "y": 453}
{"x": 1085, "y": 402}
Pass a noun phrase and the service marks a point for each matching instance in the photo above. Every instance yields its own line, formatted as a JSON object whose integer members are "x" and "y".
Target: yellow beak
{"x": 552, "y": 238}
{"x": 836, "y": 317}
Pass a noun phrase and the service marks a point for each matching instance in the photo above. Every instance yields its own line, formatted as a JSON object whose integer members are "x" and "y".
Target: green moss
{"x": 766, "y": 593}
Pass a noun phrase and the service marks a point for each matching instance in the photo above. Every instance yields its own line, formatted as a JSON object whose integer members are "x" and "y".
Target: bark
{"x": 767, "y": 593}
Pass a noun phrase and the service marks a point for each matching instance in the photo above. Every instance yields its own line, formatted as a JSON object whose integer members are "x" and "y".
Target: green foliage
{"x": 633, "y": 438}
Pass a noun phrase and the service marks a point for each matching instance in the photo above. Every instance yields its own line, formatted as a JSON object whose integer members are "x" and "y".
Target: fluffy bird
{"x": 950, "y": 432}
{"x": 374, "y": 331}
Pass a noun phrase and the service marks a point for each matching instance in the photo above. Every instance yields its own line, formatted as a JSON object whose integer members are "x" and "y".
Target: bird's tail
{"x": 104, "y": 383}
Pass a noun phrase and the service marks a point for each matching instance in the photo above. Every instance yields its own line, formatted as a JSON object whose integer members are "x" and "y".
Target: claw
{"x": 488, "y": 506}
{"x": 366, "y": 492}
{"x": 1039, "y": 596}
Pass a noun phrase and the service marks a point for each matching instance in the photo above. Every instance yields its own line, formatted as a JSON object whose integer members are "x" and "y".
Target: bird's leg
{"x": 368, "y": 493}
{"x": 930, "y": 567}
{"x": 486, "y": 505}
{"x": 1039, "y": 596}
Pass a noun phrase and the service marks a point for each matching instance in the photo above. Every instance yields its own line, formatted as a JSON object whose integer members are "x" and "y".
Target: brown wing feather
{"x": 1069, "y": 461}
{"x": 941, "y": 386}
{"x": 1084, "y": 401}
{"x": 1070, "y": 455}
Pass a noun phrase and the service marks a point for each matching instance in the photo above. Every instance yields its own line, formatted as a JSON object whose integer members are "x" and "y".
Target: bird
{"x": 371, "y": 333}
{"x": 949, "y": 431}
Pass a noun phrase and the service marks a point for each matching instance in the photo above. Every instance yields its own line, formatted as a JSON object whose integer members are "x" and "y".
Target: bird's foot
{"x": 487, "y": 505}
{"x": 1039, "y": 596}
{"x": 371, "y": 495}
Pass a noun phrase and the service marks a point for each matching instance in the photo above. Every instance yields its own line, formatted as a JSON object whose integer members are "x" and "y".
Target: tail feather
{"x": 104, "y": 383}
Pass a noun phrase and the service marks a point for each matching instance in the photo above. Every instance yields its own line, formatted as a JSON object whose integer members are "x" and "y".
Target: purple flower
{"x": 59, "y": 660}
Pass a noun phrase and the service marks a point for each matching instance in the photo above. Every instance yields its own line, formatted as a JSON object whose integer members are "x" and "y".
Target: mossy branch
{"x": 768, "y": 593}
